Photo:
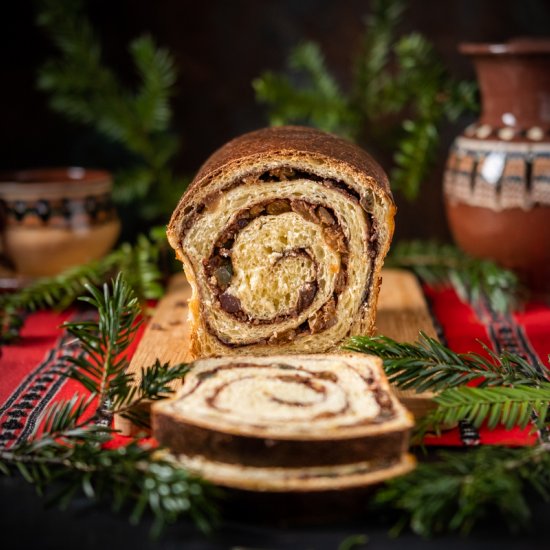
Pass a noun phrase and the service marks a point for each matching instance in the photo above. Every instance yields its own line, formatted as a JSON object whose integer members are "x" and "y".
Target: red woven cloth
{"x": 31, "y": 371}
{"x": 463, "y": 328}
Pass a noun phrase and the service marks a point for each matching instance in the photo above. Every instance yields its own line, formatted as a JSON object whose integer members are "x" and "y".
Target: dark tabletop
{"x": 26, "y": 524}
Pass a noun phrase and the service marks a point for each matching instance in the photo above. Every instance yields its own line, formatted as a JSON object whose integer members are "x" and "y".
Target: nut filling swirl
{"x": 220, "y": 273}
{"x": 282, "y": 263}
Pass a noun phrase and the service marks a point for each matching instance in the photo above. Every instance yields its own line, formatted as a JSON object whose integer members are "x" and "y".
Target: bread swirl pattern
{"x": 282, "y": 236}
{"x": 286, "y": 420}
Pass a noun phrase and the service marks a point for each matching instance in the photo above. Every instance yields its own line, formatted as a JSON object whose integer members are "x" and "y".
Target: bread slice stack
{"x": 287, "y": 423}
{"x": 282, "y": 236}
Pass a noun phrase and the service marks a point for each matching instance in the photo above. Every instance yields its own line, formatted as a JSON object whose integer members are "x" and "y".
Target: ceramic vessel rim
{"x": 54, "y": 182}
{"x": 55, "y": 175}
{"x": 515, "y": 46}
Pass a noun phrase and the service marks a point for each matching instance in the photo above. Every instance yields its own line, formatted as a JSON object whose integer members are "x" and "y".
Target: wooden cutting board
{"x": 402, "y": 312}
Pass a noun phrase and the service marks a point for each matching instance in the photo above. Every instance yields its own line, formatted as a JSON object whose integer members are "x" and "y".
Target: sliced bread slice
{"x": 287, "y": 423}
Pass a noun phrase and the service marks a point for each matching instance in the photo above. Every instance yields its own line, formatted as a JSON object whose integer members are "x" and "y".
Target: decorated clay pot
{"x": 55, "y": 218}
{"x": 497, "y": 179}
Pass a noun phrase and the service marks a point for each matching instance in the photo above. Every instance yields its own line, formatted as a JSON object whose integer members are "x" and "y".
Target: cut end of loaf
{"x": 283, "y": 234}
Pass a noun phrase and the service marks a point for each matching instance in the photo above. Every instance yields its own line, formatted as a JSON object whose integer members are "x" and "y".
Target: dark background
{"x": 219, "y": 47}
{"x": 26, "y": 524}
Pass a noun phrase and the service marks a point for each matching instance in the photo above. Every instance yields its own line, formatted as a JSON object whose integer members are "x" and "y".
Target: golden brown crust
{"x": 294, "y": 139}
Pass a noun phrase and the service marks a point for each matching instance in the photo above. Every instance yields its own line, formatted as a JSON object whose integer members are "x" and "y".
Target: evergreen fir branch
{"x": 419, "y": 68}
{"x": 428, "y": 365}
{"x": 158, "y": 76}
{"x": 461, "y": 96}
{"x": 128, "y": 398}
{"x": 68, "y": 453}
{"x": 134, "y": 476}
{"x": 82, "y": 87}
{"x": 509, "y": 406}
{"x": 154, "y": 381}
{"x": 472, "y": 278}
{"x": 333, "y": 113}
{"x": 371, "y": 79}
{"x": 353, "y": 542}
{"x": 422, "y": 83}
{"x": 315, "y": 99}
{"x": 64, "y": 415}
{"x": 509, "y": 389}
{"x": 87, "y": 92}
{"x": 105, "y": 341}
{"x": 415, "y": 154}
{"x": 139, "y": 263}
{"x": 459, "y": 490}
{"x": 132, "y": 184}
{"x": 101, "y": 366}
{"x": 391, "y": 76}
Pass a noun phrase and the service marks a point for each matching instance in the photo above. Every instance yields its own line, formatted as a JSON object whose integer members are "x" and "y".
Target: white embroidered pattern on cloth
{"x": 20, "y": 414}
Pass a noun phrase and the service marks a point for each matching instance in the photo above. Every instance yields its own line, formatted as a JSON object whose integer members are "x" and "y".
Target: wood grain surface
{"x": 402, "y": 312}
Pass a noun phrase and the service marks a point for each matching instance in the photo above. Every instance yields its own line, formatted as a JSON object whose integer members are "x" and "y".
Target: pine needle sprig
{"x": 104, "y": 341}
{"x": 65, "y": 415}
{"x": 134, "y": 476}
{"x": 66, "y": 424}
{"x": 68, "y": 456}
{"x": 421, "y": 84}
{"x": 371, "y": 80}
{"x": 472, "y": 278}
{"x": 354, "y": 542}
{"x": 458, "y": 491}
{"x": 509, "y": 391}
{"x": 428, "y": 365}
{"x": 392, "y": 76}
{"x": 87, "y": 92}
{"x": 130, "y": 399}
{"x": 139, "y": 263}
{"x": 102, "y": 365}
{"x": 509, "y": 406}
{"x": 317, "y": 99}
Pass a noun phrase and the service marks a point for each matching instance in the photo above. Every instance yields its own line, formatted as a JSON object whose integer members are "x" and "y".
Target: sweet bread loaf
{"x": 283, "y": 234}
{"x": 287, "y": 422}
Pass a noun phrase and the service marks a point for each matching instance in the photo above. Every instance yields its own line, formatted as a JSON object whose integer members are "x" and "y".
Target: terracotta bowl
{"x": 55, "y": 218}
